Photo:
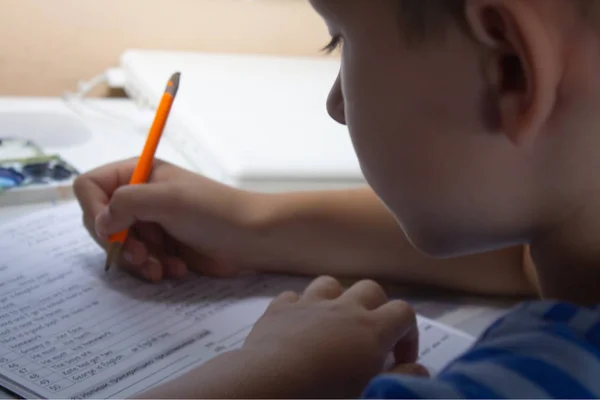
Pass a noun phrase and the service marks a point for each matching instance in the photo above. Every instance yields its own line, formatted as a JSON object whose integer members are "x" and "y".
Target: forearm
{"x": 351, "y": 234}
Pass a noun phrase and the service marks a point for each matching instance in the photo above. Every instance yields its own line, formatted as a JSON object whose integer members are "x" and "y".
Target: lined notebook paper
{"x": 70, "y": 330}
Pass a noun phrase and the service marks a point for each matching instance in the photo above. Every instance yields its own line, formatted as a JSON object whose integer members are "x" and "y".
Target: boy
{"x": 475, "y": 122}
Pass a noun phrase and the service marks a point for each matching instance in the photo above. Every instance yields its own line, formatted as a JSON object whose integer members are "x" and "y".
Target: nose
{"x": 335, "y": 102}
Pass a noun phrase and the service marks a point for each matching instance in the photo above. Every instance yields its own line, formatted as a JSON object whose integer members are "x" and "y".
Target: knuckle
{"x": 371, "y": 286}
{"x": 285, "y": 297}
{"x": 325, "y": 284}
{"x": 328, "y": 281}
{"x": 402, "y": 308}
{"x": 79, "y": 185}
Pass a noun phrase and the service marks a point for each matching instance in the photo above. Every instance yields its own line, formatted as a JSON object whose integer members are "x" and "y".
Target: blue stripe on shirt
{"x": 389, "y": 388}
{"x": 409, "y": 387}
{"x": 557, "y": 353}
{"x": 512, "y": 383}
{"x": 540, "y": 349}
{"x": 470, "y": 388}
{"x": 593, "y": 334}
{"x": 562, "y": 312}
{"x": 554, "y": 380}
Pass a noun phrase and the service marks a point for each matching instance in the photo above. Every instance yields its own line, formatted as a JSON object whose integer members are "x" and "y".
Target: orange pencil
{"x": 144, "y": 164}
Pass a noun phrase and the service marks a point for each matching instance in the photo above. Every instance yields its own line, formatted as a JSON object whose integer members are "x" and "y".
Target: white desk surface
{"x": 109, "y": 122}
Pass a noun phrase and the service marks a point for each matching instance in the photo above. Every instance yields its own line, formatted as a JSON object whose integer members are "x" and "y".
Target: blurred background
{"x": 49, "y": 45}
{"x": 79, "y": 76}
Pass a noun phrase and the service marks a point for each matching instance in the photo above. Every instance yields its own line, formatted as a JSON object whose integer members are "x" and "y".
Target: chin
{"x": 435, "y": 246}
{"x": 439, "y": 243}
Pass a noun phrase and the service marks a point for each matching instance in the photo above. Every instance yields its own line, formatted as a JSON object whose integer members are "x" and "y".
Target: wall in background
{"x": 48, "y": 45}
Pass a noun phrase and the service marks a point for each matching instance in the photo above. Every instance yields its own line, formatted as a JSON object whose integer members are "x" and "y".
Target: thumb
{"x": 133, "y": 203}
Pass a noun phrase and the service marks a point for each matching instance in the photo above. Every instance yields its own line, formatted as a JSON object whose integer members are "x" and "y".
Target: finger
{"x": 323, "y": 288}
{"x": 410, "y": 369}
{"x": 287, "y": 297}
{"x": 130, "y": 204}
{"x": 151, "y": 270}
{"x": 134, "y": 251}
{"x": 154, "y": 267}
{"x": 160, "y": 246}
{"x": 151, "y": 235}
{"x": 133, "y": 254}
{"x": 406, "y": 349}
{"x": 396, "y": 319}
{"x": 367, "y": 293}
{"x": 93, "y": 189}
{"x": 174, "y": 267}
{"x": 135, "y": 259}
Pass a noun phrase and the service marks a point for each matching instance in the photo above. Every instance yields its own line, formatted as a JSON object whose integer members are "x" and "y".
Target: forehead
{"x": 330, "y": 9}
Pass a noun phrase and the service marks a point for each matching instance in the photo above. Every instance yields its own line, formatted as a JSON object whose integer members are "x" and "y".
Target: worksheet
{"x": 70, "y": 330}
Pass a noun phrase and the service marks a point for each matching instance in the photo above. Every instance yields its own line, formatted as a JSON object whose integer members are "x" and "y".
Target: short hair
{"x": 423, "y": 19}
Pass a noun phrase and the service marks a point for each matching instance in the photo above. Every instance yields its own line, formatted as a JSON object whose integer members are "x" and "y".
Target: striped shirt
{"x": 540, "y": 349}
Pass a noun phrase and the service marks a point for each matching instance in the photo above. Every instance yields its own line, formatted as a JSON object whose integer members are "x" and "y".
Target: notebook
{"x": 252, "y": 121}
{"x": 70, "y": 330}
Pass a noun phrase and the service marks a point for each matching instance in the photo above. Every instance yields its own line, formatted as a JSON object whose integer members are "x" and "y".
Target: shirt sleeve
{"x": 539, "y": 350}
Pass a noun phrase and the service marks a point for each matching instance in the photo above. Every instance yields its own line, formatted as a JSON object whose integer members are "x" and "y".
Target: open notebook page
{"x": 70, "y": 330}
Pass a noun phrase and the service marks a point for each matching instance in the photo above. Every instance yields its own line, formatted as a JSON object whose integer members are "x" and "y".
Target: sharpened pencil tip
{"x": 173, "y": 84}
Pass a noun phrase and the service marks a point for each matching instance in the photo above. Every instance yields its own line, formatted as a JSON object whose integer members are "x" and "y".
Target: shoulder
{"x": 540, "y": 349}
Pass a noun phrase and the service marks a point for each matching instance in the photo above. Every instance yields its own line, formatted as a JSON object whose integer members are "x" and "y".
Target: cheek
{"x": 419, "y": 137}
{"x": 401, "y": 133}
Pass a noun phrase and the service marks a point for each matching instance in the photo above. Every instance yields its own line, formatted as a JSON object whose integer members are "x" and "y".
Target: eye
{"x": 334, "y": 44}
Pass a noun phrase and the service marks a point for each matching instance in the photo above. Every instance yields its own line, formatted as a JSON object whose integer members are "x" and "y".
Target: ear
{"x": 522, "y": 63}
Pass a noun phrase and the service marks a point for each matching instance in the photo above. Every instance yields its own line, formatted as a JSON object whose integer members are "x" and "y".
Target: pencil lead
{"x": 173, "y": 84}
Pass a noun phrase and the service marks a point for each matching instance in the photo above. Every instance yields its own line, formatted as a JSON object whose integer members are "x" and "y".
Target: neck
{"x": 567, "y": 256}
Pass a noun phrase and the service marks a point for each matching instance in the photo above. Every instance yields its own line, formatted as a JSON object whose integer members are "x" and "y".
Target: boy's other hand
{"x": 179, "y": 221}
{"x": 336, "y": 340}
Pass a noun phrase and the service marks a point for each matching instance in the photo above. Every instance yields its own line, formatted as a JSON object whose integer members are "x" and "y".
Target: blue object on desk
{"x": 10, "y": 178}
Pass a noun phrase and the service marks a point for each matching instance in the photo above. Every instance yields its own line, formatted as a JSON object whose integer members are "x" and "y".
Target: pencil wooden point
{"x": 173, "y": 84}
{"x": 111, "y": 254}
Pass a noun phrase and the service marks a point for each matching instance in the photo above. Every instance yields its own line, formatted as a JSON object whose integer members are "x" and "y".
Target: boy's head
{"x": 474, "y": 120}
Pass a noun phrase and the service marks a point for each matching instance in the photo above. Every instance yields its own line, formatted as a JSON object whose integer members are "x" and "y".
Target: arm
{"x": 350, "y": 233}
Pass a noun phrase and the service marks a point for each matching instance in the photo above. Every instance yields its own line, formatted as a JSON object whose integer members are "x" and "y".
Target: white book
{"x": 251, "y": 121}
{"x": 70, "y": 330}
